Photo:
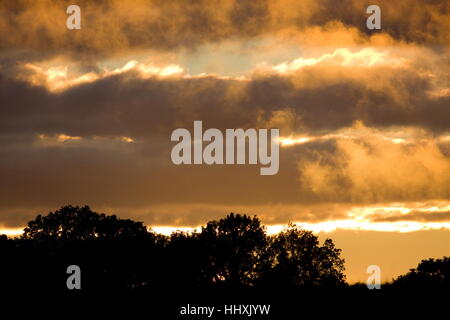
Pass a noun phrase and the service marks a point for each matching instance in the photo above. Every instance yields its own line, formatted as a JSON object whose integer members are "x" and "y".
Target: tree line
{"x": 117, "y": 254}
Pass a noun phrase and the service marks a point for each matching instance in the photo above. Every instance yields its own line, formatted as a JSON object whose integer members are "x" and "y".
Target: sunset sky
{"x": 364, "y": 117}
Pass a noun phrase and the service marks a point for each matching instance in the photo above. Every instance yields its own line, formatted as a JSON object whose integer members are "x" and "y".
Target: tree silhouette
{"x": 430, "y": 273}
{"x": 121, "y": 254}
{"x": 81, "y": 223}
{"x": 234, "y": 252}
{"x": 235, "y": 248}
{"x": 299, "y": 261}
{"x": 114, "y": 254}
{"x": 182, "y": 259}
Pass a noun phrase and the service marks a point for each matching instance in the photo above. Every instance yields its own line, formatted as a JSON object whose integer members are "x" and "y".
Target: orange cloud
{"x": 370, "y": 168}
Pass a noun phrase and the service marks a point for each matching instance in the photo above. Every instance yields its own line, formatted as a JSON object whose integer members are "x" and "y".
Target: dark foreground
{"x": 78, "y": 263}
{"x": 233, "y": 304}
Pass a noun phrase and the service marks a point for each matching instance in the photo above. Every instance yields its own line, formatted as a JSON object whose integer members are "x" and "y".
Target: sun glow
{"x": 11, "y": 232}
{"x": 367, "y": 57}
{"x": 402, "y": 136}
{"x": 291, "y": 141}
{"x": 61, "y": 77}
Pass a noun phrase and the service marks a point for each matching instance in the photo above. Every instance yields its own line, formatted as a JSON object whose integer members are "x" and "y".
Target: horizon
{"x": 348, "y": 240}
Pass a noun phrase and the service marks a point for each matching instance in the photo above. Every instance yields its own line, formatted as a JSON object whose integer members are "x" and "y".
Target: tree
{"x": 120, "y": 254}
{"x": 182, "y": 261}
{"x": 81, "y": 223}
{"x": 114, "y": 253}
{"x": 297, "y": 260}
{"x": 430, "y": 273}
{"x": 234, "y": 250}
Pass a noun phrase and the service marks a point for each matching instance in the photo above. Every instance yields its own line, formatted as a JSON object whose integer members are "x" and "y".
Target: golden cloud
{"x": 368, "y": 167}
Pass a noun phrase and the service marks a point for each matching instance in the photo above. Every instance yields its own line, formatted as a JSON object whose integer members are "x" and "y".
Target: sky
{"x": 364, "y": 117}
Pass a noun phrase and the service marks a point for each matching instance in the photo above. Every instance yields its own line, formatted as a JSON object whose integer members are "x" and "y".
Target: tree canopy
{"x": 81, "y": 223}
{"x": 431, "y": 273}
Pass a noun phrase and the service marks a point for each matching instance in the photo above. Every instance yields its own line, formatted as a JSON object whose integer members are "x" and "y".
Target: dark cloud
{"x": 320, "y": 98}
{"x": 115, "y": 27}
{"x": 420, "y": 216}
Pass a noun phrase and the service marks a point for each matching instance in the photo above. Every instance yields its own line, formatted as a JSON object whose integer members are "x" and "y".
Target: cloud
{"x": 370, "y": 168}
{"x": 68, "y": 141}
{"x": 142, "y": 99}
{"x": 166, "y": 26}
{"x": 439, "y": 216}
{"x": 86, "y": 116}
